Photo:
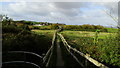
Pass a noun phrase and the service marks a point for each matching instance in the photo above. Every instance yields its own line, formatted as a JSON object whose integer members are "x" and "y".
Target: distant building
{"x": 37, "y": 25}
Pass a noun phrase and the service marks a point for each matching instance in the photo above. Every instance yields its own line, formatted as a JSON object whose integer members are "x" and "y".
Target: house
{"x": 37, "y": 25}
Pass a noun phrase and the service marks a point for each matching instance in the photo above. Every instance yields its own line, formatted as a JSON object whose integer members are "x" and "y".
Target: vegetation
{"x": 102, "y": 45}
{"x": 16, "y": 38}
{"x": 85, "y": 27}
{"x": 112, "y": 30}
{"x": 106, "y": 50}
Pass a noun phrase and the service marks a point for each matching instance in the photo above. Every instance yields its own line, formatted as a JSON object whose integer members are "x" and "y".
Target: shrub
{"x": 54, "y": 26}
{"x": 85, "y": 27}
{"x": 25, "y": 41}
{"x": 11, "y": 29}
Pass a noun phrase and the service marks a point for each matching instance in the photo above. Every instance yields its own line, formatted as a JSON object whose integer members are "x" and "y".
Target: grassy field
{"x": 76, "y": 33}
{"x": 105, "y": 50}
{"x": 49, "y": 32}
{"x": 112, "y": 30}
{"x": 101, "y": 46}
{"x": 101, "y": 35}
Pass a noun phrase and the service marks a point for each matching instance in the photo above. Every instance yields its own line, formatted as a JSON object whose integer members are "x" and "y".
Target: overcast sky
{"x": 70, "y": 13}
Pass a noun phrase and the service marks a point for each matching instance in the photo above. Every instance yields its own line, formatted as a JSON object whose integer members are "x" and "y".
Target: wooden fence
{"x": 93, "y": 61}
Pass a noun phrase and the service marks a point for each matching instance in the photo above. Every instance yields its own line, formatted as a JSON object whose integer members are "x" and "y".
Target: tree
{"x": 1, "y": 17}
{"x": 6, "y": 20}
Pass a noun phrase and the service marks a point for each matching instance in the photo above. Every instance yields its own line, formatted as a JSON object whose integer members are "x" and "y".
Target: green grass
{"x": 112, "y": 30}
{"x": 102, "y": 35}
{"x": 44, "y": 32}
{"x": 105, "y": 51}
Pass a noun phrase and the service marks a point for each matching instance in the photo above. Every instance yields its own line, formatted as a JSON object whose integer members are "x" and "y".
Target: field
{"x": 112, "y": 30}
{"x": 102, "y": 46}
{"x": 44, "y": 32}
{"x": 105, "y": 50}
{"x": 60, "y": 35}
{"x": 101, "y": 35}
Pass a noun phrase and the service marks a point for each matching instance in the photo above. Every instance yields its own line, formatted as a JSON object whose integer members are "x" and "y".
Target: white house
{"x": 37, "y": 25}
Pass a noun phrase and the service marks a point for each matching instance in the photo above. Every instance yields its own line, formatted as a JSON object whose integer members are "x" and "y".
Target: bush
{"x": 54, "y": 26}
{"x": 26, "y": 41}
{"x": 85, "y": 27}
{"x": 11, "y": 29}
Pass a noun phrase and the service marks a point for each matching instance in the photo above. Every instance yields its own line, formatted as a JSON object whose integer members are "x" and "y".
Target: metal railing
{"x": 21, "y": 57}
{"x": 18, "y": 64}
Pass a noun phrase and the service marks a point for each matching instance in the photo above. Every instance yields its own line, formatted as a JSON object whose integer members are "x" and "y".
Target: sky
{"x": 70, "y": 13}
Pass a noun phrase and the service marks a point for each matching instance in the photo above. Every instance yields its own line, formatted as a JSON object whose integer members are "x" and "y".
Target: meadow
{"x": 105, "y": 50}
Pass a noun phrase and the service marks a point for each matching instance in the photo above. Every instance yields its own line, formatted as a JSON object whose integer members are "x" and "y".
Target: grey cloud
{"x": 69, "y": 5}
{"x": 68, "y": 8}
{"x": 44, "y": 9}
{"x": 72, "y": 12}
{"x": 30, "y": 8}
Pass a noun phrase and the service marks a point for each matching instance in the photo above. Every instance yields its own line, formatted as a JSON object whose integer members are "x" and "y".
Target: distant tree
{"x": 88, "y": 26}
{"x": 1, "y": 17}
{"x": 7, "y": 20}
{"x": 54, "y": 26}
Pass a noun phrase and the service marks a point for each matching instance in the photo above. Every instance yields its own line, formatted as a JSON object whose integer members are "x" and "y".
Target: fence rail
{"x": 50, "y": 53}
{"x": 6, "y": 64}
{"x": 21, "y": 59}
{"x": 49, "y": 60}
{"x": 95, "y": 62}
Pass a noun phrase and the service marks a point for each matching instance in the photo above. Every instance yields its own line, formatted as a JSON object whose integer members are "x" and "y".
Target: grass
{"x": 35, "y": 41}
{"x": 102, "y": 35}
{"x": 50, "y": 32}
{"x": 112, "y": 30}
{"x": 78, "y": 34}
{"x": 15, "y": 39}
{"x": 105, "y": 51}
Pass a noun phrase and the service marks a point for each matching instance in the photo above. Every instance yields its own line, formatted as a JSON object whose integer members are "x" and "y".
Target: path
{"x": 60, "y": 62}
